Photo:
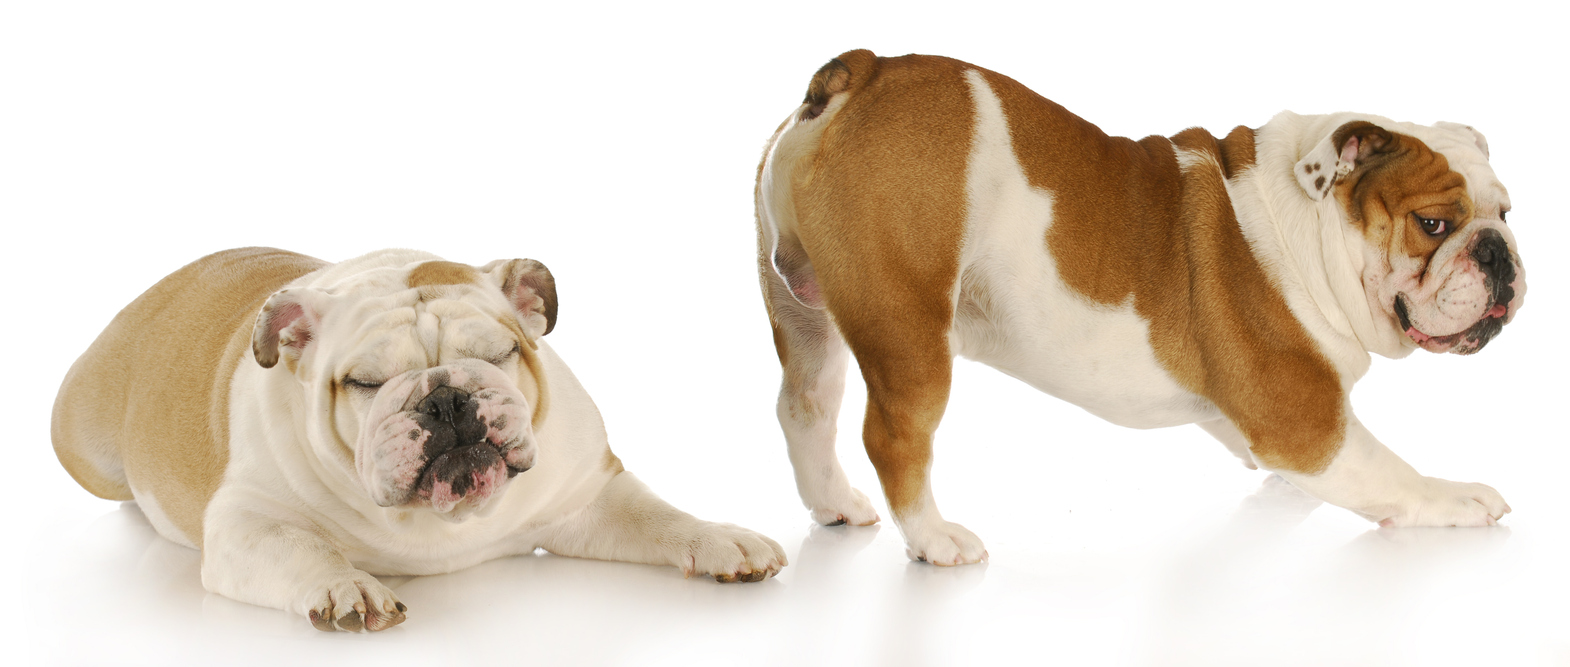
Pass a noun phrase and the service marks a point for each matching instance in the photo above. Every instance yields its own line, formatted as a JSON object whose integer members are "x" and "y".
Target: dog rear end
{"x": 124, "y": 415}
{"x": 861, "y": 206}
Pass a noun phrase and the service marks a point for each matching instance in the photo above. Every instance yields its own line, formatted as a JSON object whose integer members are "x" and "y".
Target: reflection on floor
{"x": 1265, "y": 585}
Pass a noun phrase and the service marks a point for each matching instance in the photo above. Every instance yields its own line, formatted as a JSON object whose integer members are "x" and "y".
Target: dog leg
{"x": 627, "y": 522}
{"x": 262, "y": 560}
{"x": 1369, "y": 479}
{"x": 906, "y": 395}
{"x": 813, "y": 356}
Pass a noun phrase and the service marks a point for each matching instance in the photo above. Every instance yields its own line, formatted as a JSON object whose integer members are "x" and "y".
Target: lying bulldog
{"x": 916, "y": 208}
{"x": 401, "y": 416}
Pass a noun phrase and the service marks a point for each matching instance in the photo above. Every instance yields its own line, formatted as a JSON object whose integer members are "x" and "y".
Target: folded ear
{"x": 286, "y": 325}
{"x": 530, "y": 288}
{"x": 1340, "y": 152}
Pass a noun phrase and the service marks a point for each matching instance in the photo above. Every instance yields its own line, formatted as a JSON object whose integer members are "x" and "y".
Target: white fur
{"x": 292, "y": 521}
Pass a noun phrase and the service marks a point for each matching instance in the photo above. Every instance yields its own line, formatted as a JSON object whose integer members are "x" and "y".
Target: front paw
{"x": 732, "y": 553}
{"x": 1446, "y": 503}
{"x": 847, "y": 505}
{"x": 942, "y": 543}
{"x": 355, "y": 603}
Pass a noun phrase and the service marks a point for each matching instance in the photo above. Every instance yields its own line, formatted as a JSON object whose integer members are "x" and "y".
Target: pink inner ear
{"x": 526, "y": 300}
{"x": 1349, "y": 151}
{"x": 283, "y": 317}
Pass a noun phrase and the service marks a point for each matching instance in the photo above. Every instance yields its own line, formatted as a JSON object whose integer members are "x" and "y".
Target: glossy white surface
{"x": 618, "y": 146}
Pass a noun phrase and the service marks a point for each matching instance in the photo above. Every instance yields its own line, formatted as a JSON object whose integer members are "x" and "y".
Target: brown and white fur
{"x": 399, "y": 415}
{"x": 916, "y": 208}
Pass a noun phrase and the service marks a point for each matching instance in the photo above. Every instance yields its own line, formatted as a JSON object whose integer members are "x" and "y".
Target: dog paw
{"x": 1447, "y": 503}
{"x": 943, "y": 543}
{"x": 356, "y": 603}
{"x": 732, "y": 554}
{"x": 849, "y": 506}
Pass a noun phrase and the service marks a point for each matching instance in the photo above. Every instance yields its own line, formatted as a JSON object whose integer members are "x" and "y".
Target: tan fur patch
{"x": 1129, "y": 224}
{"x": 881, "y": 213}
{"x": 147, "y": 405}
{"x": 611, "y": 463}
{"x": 1398, "y": 176}
{"x": 440, "y": 272}
{"x": 533, "y": 386}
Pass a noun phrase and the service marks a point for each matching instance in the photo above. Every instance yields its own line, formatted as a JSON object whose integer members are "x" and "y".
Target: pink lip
{"x": 1431, "y": 343}
{"x": 1451, "y": 342}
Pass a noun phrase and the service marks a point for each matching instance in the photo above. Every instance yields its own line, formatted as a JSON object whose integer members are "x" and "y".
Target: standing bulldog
{"x": 400, "y": 415}
{"x": 916, "y": 208}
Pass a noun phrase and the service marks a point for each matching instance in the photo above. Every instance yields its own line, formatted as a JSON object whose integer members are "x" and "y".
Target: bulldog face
{"x": 421, "y": 380}
{"x": 1440, "y": 264}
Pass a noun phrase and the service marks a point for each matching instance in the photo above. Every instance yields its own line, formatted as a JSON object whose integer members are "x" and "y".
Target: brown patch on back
{"x": 441, "y": 272}
{"x": 881, "y": 212}
{"x": 1237, "y": 151}
{"x": 148, "y": 402}
{"x": 1129, "y": 225}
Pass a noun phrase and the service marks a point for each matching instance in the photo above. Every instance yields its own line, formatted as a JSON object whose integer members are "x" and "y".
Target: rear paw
{"x": 1447, "y": 503}
{"x": 356, "y": 603}
{"x": 943, "y": 543}
{"x": 732, "y": 554}
{"x": 851, "y": 506}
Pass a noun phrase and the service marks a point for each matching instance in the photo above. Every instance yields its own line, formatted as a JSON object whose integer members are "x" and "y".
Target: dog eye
{"x": 363, "y": 385}
{"x": 506, "y": 357}
{"x": 1502, "y": 215}
{"x": 1432, "y": 226}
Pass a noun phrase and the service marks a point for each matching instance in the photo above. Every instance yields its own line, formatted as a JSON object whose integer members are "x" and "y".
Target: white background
{"x": 618, "y": 145}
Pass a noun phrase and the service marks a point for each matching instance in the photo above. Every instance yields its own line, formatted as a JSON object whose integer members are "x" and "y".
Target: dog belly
{"x": 1097, "y": 358}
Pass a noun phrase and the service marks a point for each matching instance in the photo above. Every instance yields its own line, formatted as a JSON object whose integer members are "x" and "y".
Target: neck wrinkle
{"x": 1301, "y": 248}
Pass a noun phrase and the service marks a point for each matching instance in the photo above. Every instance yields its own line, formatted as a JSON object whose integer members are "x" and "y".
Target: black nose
{"x": 1492, "y": 255}
{"x": 452, "y": 417}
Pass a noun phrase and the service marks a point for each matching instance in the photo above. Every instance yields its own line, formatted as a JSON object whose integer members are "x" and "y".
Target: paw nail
{"x": 400, "y": 606}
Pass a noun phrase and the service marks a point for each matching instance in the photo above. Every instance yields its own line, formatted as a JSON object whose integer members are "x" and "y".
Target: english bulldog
{"x": 399, "y": 414}
{"x": 916, "y": 208}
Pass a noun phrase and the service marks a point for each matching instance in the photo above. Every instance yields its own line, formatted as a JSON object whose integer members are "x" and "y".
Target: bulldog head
{"x": 421, "y": 380}
{"x": 1439, "y": 263}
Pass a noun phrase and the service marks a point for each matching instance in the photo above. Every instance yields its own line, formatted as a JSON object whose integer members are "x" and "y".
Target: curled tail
{"x": 849, "y": 71}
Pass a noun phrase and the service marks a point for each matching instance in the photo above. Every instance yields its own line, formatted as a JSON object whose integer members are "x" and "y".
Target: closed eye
{"x": 361, "y": 385}
{"x": 506, "y": 357}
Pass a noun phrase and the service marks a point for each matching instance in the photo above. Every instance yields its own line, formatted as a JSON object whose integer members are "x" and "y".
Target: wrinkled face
{"x": 427, "y": 394}
{"x": 1440, "y": 262}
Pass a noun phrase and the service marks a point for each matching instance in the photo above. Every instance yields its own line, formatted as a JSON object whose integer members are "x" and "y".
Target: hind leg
{"x": 813, "y": 356}
{"x": 908, "y": 371}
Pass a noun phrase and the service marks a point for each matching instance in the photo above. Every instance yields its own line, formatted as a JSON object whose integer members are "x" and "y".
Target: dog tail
{"x": 790, "y": 154}
{"x": 848, "y": 72}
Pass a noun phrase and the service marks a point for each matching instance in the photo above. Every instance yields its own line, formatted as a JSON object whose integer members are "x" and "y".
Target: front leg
{"x": 1366, "y": 477}
{"x": 271, "y": 562}
{"x": 627, "y": 522}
